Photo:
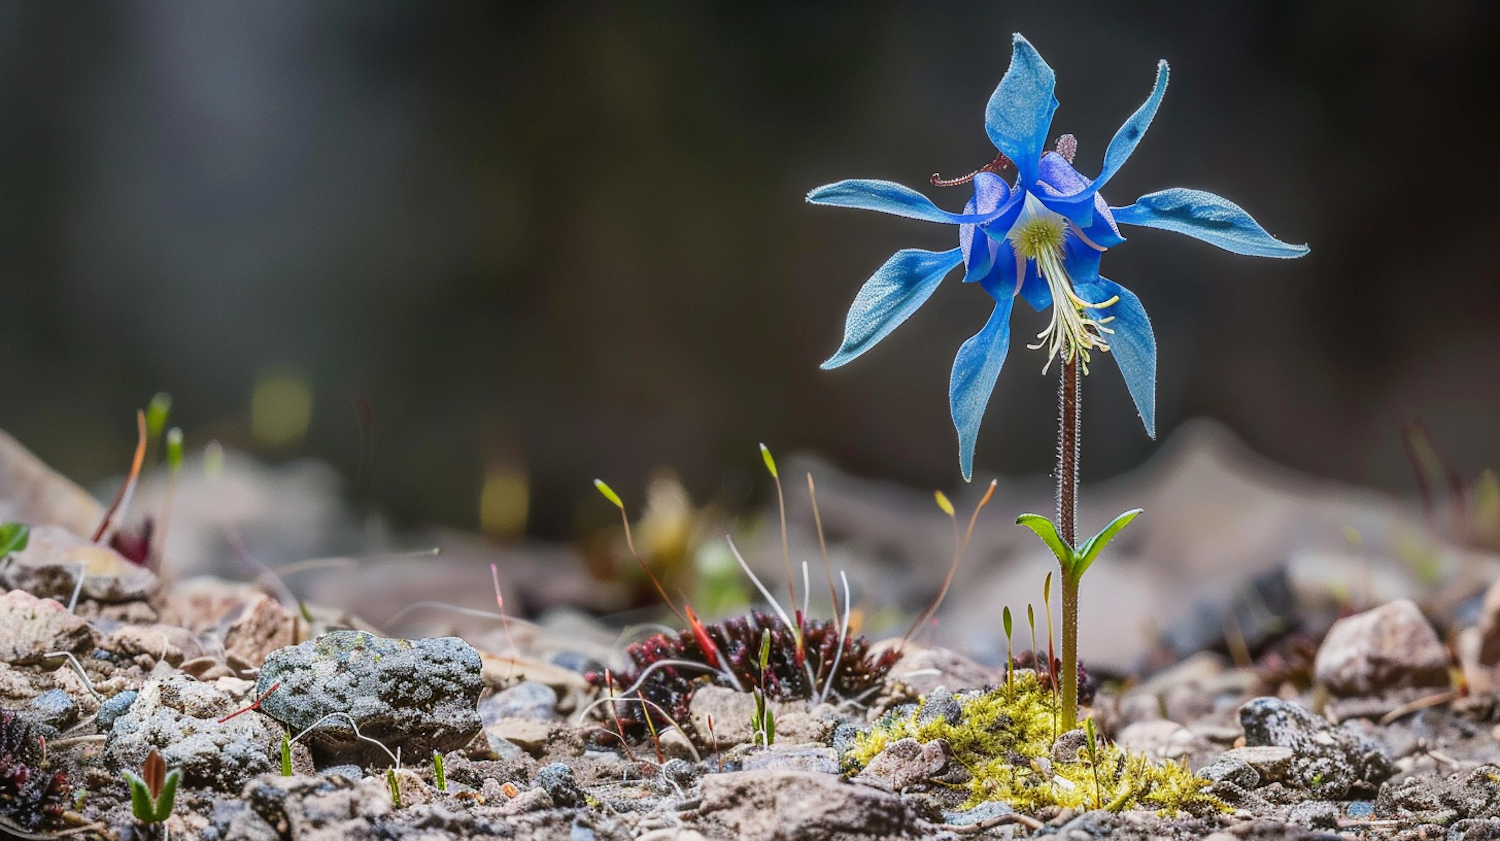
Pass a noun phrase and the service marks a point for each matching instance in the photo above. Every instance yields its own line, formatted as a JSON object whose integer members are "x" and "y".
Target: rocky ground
{"x": 1378, "y": 727}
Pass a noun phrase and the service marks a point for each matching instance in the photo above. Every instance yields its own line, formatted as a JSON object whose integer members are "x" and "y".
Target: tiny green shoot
{"x": 390, "y": 780}
{"x": 1010, "y": 660}
{"x": 1093, "y": 749}
{"x": 286, "y": 753}
{"x": 439, "y": 775}
{"x": 1074, "y": 563}
{"x": 154, "y": 791}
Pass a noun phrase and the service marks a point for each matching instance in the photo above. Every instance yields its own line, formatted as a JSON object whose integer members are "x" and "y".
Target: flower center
{"x": 1072, "y": 333}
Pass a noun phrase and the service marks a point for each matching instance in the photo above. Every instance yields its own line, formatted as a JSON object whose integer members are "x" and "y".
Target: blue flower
{"x": 1039, "y": 236}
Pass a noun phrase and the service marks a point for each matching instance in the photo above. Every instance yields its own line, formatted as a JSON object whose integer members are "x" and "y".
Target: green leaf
{"x": 286, "y": 754}
{"x": 13, "y": 537}
{"x": 1094, "y": 545}
{"x": 1005, "y": 619}
{"x": 168, "y": 795}
{"x": 1048, "y": 533}
{"x": 140, "y": 798}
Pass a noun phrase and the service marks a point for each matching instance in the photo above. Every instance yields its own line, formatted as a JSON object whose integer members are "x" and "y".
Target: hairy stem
{"x": 1069, "y": 653}
{"x": 1069, "y": 409}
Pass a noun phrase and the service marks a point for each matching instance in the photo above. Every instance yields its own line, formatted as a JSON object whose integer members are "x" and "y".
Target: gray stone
{"x": 418, "y": 696}
{"x": 906, "y": 762}
{"x": 180, "y": 718}
{"x": 528, "y": 734}
{"x": 1229, "y": 769}
{"x": 31, "y": 627}
{"x": 1272, "y": 763}
{"x": 784, "y": 756}
{"x": 778, "y": 805}
{"x": 113, "y": 708}
{"x": 1331, "y": 762}
{"x": 1315, "y": 814}
{"x": 527, "y": 699}
{"x": 1385, "y": 648}
{"x": 940, "y": 704}
{"x": 54, "y": 708}
{"x": 559, "y": 782}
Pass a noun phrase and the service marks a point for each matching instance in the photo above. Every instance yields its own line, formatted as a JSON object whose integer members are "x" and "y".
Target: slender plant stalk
{"x": 1069, "y": 410}
{"x": 1069, "y": 413}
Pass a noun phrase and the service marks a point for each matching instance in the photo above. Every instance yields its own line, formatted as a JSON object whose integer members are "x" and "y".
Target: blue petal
{"x": 889, "y": 197}
{"x": 1019, "y": 112}
{"x": 1078, "y": 204}
{"x": 1213, "y": 219}
{"x": 1131, "y": 132}
{"x": 991, "y": 193}
{"x": 975, "y": 370}
{"x": 1133, "y": 345}
{"x": 890, "y": 296}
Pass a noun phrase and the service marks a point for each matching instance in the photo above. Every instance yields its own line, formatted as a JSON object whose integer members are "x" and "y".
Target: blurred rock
{"x": 1479, "y": 646}
{"x": 1331, "y": 762}
{"x": 50, "y": 564}
{"x": 1385, "y": 648}
{"x": 31, "y": 627}
{"x": 527, "y": 699}
{"x": 1271, "y": 762}
{"x": 776, "y": 805}
{"x": 417, "y": 695}
{"x": 1161, "y": 738}
{"x": 35, "y": 494}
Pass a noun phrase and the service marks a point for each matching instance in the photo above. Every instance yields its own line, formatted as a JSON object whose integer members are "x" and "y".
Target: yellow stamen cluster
{"x": 1038, "y": 235}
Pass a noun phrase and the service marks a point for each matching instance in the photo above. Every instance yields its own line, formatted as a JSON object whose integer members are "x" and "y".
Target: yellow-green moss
{"x": 1005, "y": 738}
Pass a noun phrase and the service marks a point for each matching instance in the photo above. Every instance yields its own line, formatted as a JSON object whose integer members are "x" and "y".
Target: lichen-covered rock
{"x": 31, "y": 628}
{"x": 180, "y": 718}
{"x": 416, "y": 695}
{"x": 1332, "y": 762}
{"x": 1384, "y": 648}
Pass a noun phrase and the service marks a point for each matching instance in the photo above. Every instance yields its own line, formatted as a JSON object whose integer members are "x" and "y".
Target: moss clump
{"x": 1006, "y": 738}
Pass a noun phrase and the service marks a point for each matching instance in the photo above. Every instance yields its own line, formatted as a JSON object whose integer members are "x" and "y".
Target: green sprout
{"x": 153, "y": 792}
{"x": 286, "y": 753}
{"x": 390, "y": 780}
{"x": 763, "y": 720}
{"x": 1010, "y": 660}
{"x": 1074, "y": 562}
{"x": 157, "y": 412}
{"x": 439, "y": 775}
{"x": 13, "y": 537}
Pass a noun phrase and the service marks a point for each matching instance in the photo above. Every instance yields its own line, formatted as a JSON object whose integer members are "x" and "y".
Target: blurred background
{"x": 474, "y": 255}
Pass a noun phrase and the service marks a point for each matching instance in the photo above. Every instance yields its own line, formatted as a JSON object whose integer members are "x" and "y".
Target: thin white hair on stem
{"x": 88, "y": 682}
{"x": 775, "y": 605}
{"x": 395, "y": 757}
